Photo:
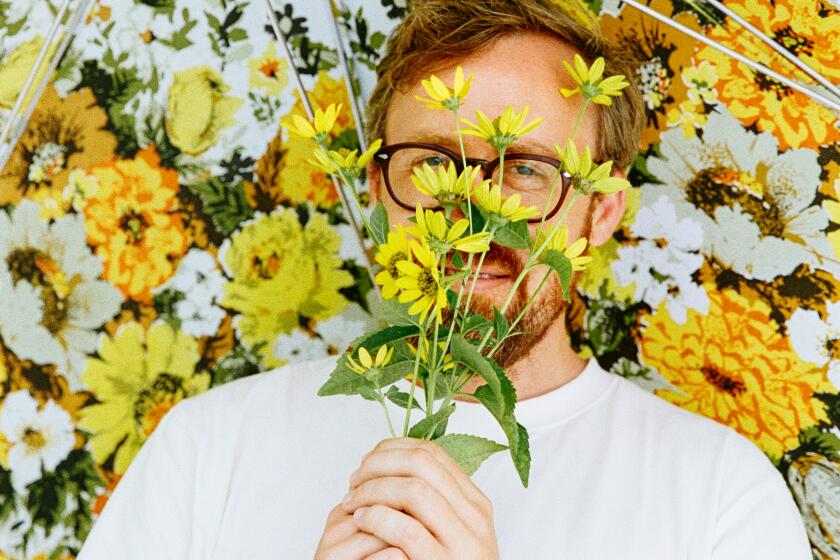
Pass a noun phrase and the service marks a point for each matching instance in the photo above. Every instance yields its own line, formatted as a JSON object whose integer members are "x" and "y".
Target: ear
{"x": 375, "y": 185}
{"x": 607, "y": 213}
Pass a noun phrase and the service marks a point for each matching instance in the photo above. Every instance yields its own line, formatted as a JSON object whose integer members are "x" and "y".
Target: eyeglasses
{"x": 528, "y": 175}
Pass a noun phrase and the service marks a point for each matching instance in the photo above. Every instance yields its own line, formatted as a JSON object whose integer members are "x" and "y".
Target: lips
{"x": 484, "y": 275}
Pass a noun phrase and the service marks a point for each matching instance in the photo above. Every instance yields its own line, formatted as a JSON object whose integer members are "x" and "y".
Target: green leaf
{"x": 515, "y": 235}
{"x": 225, "y": 205}
{"x": 386, "y": 336}
{"x": 400, "y": 398}
{"x": 392, "y": 312}
{"x": 379, "y": 224}
{"x": 457, "y": 260}
{"x": 500, "y": 324}
{"x": 467, "y": 354}
{"x": 561, "y": 264}
{"x": 477, "y": 322}
{"x": 430, "y": 427}
{"x": 237, "y": 34}
{"x": 468, "y": 451}
{"x": 370, "y": 393}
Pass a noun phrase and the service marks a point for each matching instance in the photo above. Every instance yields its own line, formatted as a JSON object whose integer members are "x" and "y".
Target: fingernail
{"x": 359, "y": 513}
{"x": 346, "y": 500}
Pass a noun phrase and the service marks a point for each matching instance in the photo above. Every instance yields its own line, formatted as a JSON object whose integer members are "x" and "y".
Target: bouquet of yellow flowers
{"x": 428, "y": 269}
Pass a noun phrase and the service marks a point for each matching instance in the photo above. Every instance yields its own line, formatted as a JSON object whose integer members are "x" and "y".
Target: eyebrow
{"x": 522, "y": 145}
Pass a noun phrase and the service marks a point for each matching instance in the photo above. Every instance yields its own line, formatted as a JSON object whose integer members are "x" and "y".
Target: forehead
{"x": 516, "y": 70}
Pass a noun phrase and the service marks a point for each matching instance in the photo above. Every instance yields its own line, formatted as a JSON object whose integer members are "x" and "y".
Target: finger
{"x": 417, "y": 498}
{"x": 468, "y": 487}
{"x": 400, "y": 530}
{"x": 356, "y": 547}
{"x": 419, "y": 463}
{"x": 388, "y": 554}
{"x": 340, "y": 526}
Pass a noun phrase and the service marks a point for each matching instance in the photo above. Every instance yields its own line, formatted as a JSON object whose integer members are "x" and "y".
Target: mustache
{"x": 504, "y": 259}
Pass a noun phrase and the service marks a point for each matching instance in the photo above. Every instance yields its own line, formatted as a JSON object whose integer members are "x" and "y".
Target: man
{"x": 258, "y": 468}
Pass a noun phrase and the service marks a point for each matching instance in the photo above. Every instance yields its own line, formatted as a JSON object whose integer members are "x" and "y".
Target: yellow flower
{"x": 441, "y": 96}
{"x": 388, "y": 255}
{"x": 198, "y": 109}
{"x": 344, "y": 161}
{"x": 490, "y": 199}
{"x": 687, "y": 118}
{"x": 366, "y": 362}
{"x": 560, "y": 242}
{"x": 444, "y": 183}
{"x": 319, "y": 130}
{"x": 431, "y": 227}
{"x": 269, "y": 71}
{"x": 137, "y": 377}
{"x": 282, "y": 273}
{"x": 420, "y": 282}
{"x": 590, "y": 84}
{"x": 701, "y": 81}
{"x": 586, "y": 177}
{"x": 15, "y": 67}
{"x": 425, "y": 357}
{"x": 502, "y": 131}
{"x": 734, "y": 366}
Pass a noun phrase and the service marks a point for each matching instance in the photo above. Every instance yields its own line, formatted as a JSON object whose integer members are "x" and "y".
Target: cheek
{"x": 396, "y": 213}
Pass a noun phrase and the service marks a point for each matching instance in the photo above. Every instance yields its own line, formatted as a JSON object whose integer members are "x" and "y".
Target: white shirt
{"x": 252, "y": 468}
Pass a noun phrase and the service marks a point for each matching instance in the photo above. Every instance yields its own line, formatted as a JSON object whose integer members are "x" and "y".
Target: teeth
{"x": 487, "y": 276}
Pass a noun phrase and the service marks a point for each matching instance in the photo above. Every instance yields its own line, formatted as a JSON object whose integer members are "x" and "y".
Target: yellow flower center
{"x": 269, "y": 68}
{"x": 266, "y": 266}
{"x": 793, "y": 41}
{"x": 427, "y": 283}
{"x": 33, "y": 439}
{"x": 47, "y": 160}
{"x": 722, "y": 381}
{"x": 147, "y": 36}
{"x": 392, "y": 264}
{"x": 134, "y": 224}
{"x": 153, "y": 403}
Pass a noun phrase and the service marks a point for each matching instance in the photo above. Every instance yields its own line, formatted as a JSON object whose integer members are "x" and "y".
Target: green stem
{"x": 387, "y": 415}
{"x": 467, "y": 184}
{"x": 550, "y": 197}
{"x": 579, "y": 119}
{"x": 521, "y": 314}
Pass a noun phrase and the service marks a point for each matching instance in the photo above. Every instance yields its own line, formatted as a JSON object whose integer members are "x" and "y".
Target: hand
{"x": 342, "y": 540}
{"x": 412, "y": 495}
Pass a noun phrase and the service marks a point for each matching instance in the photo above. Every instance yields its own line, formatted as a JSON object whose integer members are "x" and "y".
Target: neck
{"x": 550, "y": 364}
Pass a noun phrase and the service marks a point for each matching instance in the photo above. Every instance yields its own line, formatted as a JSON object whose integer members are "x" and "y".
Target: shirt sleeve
{"x": 149, "y": 515}
{"x": 756, "y": 514}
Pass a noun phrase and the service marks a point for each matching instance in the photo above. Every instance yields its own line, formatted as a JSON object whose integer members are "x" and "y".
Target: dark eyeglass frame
{"x": 384, "y": 155}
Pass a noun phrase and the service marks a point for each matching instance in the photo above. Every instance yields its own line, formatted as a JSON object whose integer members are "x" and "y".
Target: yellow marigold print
{"x": 281, "y": 271}
{"x": 299, "y": 180}
{"x": 804, "y": 29}
{"x": 62, "y": 135}
{"x": 133, "y": 222}
{"x": 734, "y": 366}
{"x": 139, "y": 375}
{"x": 199, "y": 109}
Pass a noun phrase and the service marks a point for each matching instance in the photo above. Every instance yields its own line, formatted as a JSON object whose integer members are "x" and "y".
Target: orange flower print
{"x": 734, "y": 366}
{"x": 133, "y": 222}
{"x": 804, "y": 29}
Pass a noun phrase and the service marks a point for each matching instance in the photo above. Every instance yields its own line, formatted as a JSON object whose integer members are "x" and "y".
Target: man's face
{"x": 516, "y": 71}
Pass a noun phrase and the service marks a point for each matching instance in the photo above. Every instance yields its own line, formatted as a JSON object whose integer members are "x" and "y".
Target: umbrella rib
{"x": 793, "y": 84}
{"x": 347, "y": 72}
{"x": 280, "y": 37}
{"x": 15, "y": 126}
{"x": 816, "y": 76}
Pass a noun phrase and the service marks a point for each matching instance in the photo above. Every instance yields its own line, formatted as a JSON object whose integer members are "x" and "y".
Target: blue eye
{"x": 435, "y": 161}
{"x": 525, "y": 170}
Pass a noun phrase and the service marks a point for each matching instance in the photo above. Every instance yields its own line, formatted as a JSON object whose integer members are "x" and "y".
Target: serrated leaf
{"x": 477, "y": 322}
{"x": 500, "y": 323}
{"x": 561, "y": 264}
{"x": 430, "y": 427}
{"x": 467, "y": 354}
{"x": 400, "y": 398}
{"x": 392, "y": 312}
{"x": 515, "y": 235}
{"x": 468, "y": 451}
{"x": 379, "y": 224}
{"x": 369, "y": 393}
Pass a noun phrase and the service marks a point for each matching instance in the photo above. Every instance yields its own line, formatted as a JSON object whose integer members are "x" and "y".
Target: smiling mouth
{"x": 482, "y": 276}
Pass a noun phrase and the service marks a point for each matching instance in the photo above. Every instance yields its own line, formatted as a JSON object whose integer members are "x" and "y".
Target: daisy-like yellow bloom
{"x": 502, "y": 131}
{"x": 490, "y": 199}
{"x": 587, "y": 177}
{"x": 320, "y": 129}
{"x": 344, "y": 160}
{"x": 431, "y": 227}
{"x": 590, "y": 84}
{"x": 388, "y": 255}
{"x": 445, "y": 184}
{"x": 366, "y": 362}
{"x": 560, "y": 242}
{"x": 442, "y": 97}
{"x": 420, "y": 282}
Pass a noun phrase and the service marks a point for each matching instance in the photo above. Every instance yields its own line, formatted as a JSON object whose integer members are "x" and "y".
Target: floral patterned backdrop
{"x": 161, "y": 235}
